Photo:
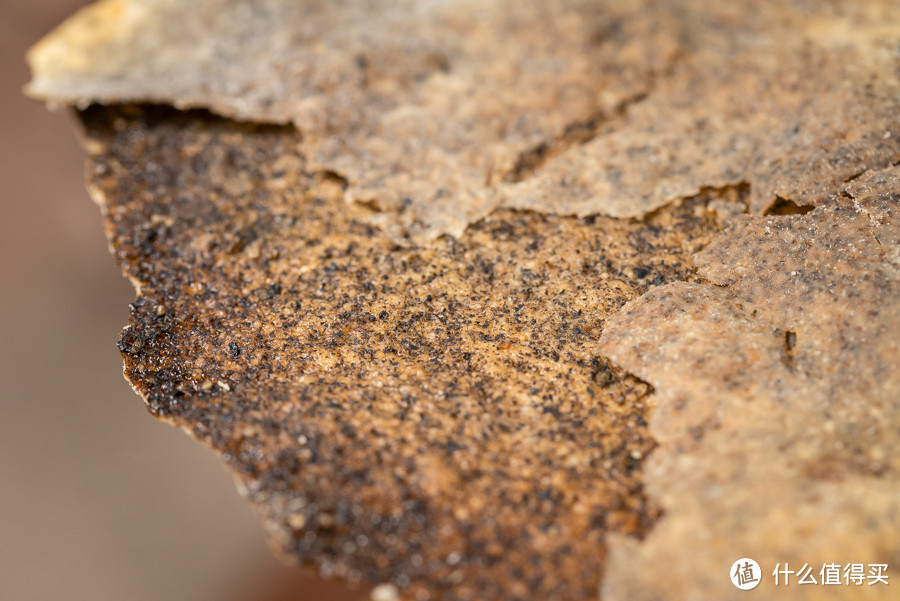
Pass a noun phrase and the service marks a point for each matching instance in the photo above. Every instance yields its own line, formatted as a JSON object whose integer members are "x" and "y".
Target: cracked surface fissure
{"x": 581, "y": 132}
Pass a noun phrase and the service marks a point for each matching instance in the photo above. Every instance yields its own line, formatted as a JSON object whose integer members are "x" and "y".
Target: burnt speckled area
{"x": 436, "y": 416}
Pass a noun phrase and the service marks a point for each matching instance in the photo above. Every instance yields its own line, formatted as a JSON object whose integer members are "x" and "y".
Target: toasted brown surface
{"x": 434, "y": 417}
{"x": 421, "y": 387}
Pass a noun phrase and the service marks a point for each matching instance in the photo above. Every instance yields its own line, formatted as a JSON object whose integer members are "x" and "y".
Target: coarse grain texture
{"x": 432, "y": 417}
{"x": 437, "y": 113}
{"x": 406, "y": 310}
{"x": 777, "y": 413}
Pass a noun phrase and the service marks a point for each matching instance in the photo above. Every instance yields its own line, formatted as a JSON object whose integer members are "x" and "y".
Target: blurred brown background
{"x": 98, "y": 501}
